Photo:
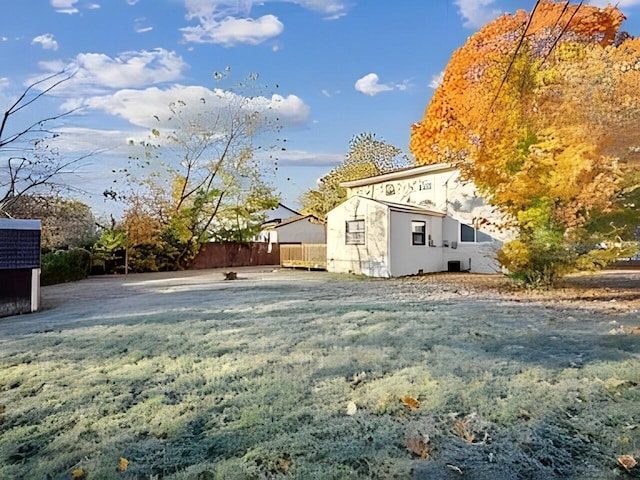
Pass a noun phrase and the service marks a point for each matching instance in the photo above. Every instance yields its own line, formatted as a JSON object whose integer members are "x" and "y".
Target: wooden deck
{"x": 306, "y": 255}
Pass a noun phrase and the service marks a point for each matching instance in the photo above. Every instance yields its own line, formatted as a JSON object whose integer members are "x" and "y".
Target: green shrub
{"x": 65, "y": 266}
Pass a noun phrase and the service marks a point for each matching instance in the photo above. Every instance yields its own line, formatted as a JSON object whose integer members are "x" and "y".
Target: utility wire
{"x": 513, "y": 59}
{"x": 564, "y": 30}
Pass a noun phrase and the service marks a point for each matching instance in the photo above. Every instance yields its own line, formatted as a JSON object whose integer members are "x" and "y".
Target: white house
{"x": 416, "y": 220}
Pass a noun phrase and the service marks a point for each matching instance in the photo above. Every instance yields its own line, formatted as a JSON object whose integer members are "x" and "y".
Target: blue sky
{"x": 338, "y": 68}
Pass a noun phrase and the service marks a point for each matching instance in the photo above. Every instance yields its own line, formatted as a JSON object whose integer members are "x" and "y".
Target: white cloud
{"x": 476, "y": 13}
{"x": 326, "y": 93}
{"x": 369, "y": 85}
{"x": 47, "y": 41}
{"x": 65, "y": 6}
{"x": 436, "y": 80}
{"x": 229, "y": 22}
{"x": 93, "y": 6}
{"x": 619, "y": 3}
{"x": 309, "y": 159}
{"x": 143, "y": 29}
{"x": 97, "y": 73}
{"x": 141, "y": 107}
{"x": 334, "y": 9}
{"x": 231, "y": 31}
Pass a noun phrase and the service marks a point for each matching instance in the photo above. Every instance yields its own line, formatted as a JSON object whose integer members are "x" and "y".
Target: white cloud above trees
{"x": 476, "y": 13}
{"x": 65, "y": 6}
{"x": 47, "y": 41}
{"x": 370, "y": 85}
{"x": 229, "y": 22}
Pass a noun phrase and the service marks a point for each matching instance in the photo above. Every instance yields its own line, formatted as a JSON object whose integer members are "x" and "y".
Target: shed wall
{"x": 371, "y": 258}
{"x": 406, "y": 258}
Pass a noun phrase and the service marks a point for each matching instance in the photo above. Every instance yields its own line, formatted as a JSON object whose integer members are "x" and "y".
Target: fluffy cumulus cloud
{"x": 65, "y": 6}
{"x": 96, "y": 73}
{"x": 150, "y": 108}
{"x": 231, "y": 31}
{"x": 47, "y": 41}
{"x": 229, "y": 22}
{"x": 370, "y": 85}
{"x": 476, "y": 13}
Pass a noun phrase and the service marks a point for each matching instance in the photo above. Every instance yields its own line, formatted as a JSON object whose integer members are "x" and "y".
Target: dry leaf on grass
{"x": 418, "y": 447}
{"x": 351, "y": 408}
{"x": 410, "y": 402}
{"x": 627, "y": 462}
{"x": 460, "y": 429}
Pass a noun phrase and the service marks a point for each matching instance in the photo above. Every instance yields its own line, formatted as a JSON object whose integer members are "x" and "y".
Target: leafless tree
{"x": 28, "y": 162}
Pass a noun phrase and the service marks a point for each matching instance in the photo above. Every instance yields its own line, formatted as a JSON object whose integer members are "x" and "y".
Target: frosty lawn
{"x": 190, "y": 376}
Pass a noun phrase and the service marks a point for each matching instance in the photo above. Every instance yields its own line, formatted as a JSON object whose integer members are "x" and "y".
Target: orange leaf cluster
{"x": 456, "y": 120}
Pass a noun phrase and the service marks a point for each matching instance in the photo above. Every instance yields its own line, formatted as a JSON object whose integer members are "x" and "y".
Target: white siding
{"x": 371, "y": 258}
{"x": 408, "y": 259}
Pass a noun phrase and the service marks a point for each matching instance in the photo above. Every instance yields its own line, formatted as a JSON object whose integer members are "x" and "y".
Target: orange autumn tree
{"x": 541, "y": 111}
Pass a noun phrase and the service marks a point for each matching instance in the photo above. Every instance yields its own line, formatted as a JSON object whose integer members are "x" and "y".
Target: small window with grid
{"x": 418, "y": 232}
{"x": 355, "y": 232}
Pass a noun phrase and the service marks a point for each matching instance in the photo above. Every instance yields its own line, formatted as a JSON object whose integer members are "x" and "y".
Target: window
{"x": 418, "y": 232}
{"x": 470, "y": 234}
{"x": 355, "y": 232}
{"x": 467, "y": 233}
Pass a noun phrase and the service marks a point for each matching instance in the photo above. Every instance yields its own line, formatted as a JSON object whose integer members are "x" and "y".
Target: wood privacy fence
{"x": 307, "y": 255}
{"x": 224, "y": 255}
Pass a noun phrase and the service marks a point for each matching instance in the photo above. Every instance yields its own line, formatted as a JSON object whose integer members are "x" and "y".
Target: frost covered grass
{"x": 302, "y": 375}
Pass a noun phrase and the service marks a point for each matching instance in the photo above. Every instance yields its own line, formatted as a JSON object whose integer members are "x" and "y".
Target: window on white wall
{"x": 418, "y": 232}
{"x": 355, "y": 232}
{"x": 470, "y": 234}
{"x": 467, "y": 233}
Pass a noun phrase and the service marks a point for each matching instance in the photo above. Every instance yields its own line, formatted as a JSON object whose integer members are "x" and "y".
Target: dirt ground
{"x": 508, "y": 384}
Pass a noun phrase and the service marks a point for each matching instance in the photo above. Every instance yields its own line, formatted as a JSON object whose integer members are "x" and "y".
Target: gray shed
{"x": 19, "y": 266}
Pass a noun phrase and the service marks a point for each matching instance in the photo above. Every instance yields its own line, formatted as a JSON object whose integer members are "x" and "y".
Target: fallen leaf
{"x": 627, "y": 462}
{"x": 123, "y": 464}
{"x": 418, "y": 447}
{"x": 351, "y": 408}
{"x": 460, "y": 429}
{"x": 410, "y": 402}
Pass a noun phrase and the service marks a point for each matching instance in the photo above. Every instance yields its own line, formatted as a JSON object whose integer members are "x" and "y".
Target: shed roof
{"x": 297, "y": 218}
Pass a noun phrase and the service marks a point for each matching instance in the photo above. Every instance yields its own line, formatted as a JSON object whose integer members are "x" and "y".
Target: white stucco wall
{"x": 372, "y": 257}
{"x": 406, "y": 258}
{"x": 439, "y": 189}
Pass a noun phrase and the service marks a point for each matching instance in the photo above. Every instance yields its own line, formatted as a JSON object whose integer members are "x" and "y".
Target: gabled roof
{"x": 404, "y": 207}
{"x": 297, "y": 219}
{"x": 400, "y": 174}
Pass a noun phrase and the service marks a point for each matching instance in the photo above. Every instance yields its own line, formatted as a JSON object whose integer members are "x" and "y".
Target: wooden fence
{"x": 307, "y": 255}
{"x": 224, "y": 255}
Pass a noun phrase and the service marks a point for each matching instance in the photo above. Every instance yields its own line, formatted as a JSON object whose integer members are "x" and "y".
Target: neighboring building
{"x": 19, "y": 266}
{"x": 416, "y": 220}
{"x": 286, "y": 226}
{"x": 298, "y": 229}
{"x": 280, "y": 213}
